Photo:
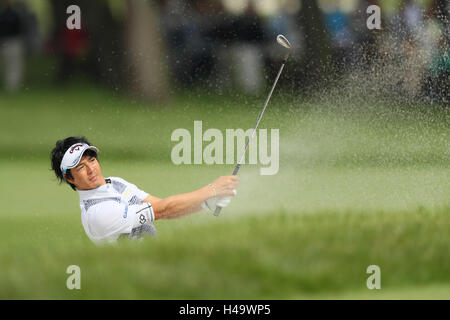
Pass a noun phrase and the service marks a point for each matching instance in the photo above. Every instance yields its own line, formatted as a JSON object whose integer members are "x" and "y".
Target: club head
{"x": 283, "y": 41}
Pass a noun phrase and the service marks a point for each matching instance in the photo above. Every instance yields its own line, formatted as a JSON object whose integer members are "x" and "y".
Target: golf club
{"x": 285, "y": 43}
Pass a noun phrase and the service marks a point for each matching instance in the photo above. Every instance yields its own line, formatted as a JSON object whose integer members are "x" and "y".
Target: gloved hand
{"x": 214, "y": 202}
{"x": 223, "y": 202}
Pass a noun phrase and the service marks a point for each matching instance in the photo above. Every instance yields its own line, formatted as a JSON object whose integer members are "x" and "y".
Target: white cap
{"x": 73, "y": 156}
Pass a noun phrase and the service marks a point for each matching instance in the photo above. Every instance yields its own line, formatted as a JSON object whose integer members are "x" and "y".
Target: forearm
{"x": 184, "y": 213}
{"x": 181, "y": 204}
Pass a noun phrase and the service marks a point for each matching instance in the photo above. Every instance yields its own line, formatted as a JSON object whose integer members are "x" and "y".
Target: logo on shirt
{"x": 126, "y": 212}
{"x": 127, "y": 194}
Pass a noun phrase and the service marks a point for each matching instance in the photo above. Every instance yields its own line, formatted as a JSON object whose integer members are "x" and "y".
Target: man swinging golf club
{"x": 112, "y": 207}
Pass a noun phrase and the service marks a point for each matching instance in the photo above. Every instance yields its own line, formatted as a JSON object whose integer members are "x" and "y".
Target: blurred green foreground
{"x": 357, "y": 186}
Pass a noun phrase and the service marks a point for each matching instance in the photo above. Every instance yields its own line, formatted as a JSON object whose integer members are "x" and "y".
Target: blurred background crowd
{"x": 148, "y": 48}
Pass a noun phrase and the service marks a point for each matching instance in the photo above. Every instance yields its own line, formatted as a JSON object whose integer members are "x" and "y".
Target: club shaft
{"x": 238, "y": 165}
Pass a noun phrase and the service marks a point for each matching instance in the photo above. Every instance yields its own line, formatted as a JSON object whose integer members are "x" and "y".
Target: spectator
{"x": 411, "y": 18}
{"x": 435, "y": 43}
{"x": 337, "y": 23}
{"x": 12, "y": 48}
{"x": 184, "y": 24}
{"x": 73, "y": 48}
{"x": 367, "y": 42}
{"x": 239, "y": 41}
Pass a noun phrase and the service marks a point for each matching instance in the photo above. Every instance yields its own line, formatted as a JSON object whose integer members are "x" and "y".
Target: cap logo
{"x": 75, "y": 147}
{"x": 73, "y": 155}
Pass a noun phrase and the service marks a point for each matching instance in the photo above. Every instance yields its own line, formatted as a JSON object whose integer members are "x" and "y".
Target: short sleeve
{"x": 110, "y": 219}
{"x": 140, "y": 194}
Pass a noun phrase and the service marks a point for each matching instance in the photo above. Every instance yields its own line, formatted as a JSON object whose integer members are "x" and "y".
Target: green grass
{"x": 281, "y": 256}
{"x": 357, "y": 185}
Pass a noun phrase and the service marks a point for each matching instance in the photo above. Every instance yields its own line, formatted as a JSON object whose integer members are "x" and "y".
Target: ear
{"x": 69, "y": 179}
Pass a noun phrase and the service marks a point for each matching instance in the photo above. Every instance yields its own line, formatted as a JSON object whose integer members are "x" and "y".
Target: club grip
{"x": 235, "y": 171}
{"x": 217, "y": 212}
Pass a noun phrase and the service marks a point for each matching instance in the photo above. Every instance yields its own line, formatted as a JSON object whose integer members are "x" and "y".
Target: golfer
{"x": 112, "y": 208}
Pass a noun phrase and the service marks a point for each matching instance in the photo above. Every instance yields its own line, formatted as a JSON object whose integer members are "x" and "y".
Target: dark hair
{"x": 58, "y": 153}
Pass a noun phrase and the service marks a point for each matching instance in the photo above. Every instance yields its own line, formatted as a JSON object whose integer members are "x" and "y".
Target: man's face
{"x": 87, "y": 175}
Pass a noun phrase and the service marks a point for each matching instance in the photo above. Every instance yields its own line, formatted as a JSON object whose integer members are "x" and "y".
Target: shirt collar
{"x": 102, "y": 190}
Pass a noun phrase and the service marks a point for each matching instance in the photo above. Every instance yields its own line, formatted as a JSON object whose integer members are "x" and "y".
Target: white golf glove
{"x": 223, "y": 202}
{"x": 214, "y": 202}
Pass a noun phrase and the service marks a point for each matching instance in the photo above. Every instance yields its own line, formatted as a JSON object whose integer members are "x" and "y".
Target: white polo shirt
{"x": 114, "y": 210}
